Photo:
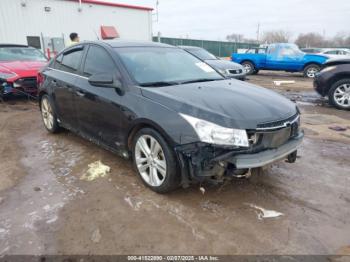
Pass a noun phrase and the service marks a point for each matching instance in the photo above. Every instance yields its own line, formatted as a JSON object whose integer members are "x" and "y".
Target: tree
{"x": 235, "y": 38}
{"x": 310, "y": 40}
{"x": 279, "y": 36}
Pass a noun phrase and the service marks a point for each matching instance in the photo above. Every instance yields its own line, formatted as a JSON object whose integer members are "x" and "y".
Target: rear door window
{"x": 69, "y": 61}
{"x": 98, "y": 61}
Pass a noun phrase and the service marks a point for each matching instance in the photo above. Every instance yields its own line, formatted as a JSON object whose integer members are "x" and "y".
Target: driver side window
{"x": 98, "y": 61}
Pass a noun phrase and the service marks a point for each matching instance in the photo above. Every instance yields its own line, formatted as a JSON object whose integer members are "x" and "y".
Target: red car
{"x": 19, "y": 66}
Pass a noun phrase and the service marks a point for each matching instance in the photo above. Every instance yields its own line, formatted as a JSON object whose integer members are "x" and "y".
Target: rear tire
{"x": 48, "y": 114}
{"x": 249, "y": 68}
{"x": 339, "y": 94}
{"x": 155, "y": 161}
{"x": 311, "y": 70}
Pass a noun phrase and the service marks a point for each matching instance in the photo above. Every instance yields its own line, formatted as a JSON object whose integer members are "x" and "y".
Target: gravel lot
{"x": 46, "y": 209}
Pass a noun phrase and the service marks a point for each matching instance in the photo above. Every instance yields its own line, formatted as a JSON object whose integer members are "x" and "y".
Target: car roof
{"x": 129, "y": 43}
{"x": 13, "y": 45}
{"x": 189, "y": 47}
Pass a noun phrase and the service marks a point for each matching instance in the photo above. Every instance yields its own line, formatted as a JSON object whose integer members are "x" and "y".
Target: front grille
{"x": 278, "y": 124}
{"x": 26, "y": 82}
{"x": 274, "y": 134}
{"x": 235, "y": 71}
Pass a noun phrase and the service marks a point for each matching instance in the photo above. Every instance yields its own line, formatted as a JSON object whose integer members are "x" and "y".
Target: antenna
{"x": 98, "y": 38}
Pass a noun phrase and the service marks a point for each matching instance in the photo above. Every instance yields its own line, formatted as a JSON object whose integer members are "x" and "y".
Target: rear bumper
{"x": 242, "y": 161}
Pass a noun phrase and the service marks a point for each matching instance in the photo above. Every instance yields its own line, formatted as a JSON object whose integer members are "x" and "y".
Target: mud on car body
{"x": 178, "y": 119}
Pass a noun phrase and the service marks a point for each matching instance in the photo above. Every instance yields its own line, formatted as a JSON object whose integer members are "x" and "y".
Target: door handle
{"x": 79, "y": 93}
{"x": 54, "y": 82}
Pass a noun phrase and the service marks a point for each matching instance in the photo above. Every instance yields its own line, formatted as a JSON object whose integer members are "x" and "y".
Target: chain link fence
{"x": 218, "y": 48}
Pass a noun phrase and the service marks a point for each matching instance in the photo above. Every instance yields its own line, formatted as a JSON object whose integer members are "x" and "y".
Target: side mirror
{"x": 105, "y": 80}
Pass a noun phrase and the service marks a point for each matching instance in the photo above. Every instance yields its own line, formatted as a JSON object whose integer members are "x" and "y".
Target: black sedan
{"x": 175, "y": 116}
{"x": 334, "y": 81}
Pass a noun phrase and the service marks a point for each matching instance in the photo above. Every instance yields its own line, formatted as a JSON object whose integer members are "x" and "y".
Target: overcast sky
{"x": 214, "y": 19}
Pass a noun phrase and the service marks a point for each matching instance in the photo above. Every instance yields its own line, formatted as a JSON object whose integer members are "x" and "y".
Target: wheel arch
{"x": 250, "y": 61}
{"x": 335, "y": 79}
{"x": 146, "y": 123}
{"x": 312, "y": 63}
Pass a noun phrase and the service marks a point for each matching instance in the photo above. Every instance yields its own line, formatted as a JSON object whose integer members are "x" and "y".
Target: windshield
{"x": 20, "y": 54}
{"x": 202, "y": 54}
{"x": 291, "y": 50}
{"x": 164, "y": 66}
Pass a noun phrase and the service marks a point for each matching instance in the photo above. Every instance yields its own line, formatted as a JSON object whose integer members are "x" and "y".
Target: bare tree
{"x": 279, "y": 36}
{"x": 310, "y": 40}
{"x": 235, "y": 38}
{"x": 341, "y": 39}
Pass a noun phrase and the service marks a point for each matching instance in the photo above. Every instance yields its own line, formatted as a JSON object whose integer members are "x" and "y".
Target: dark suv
{"x": 175, "y": 116}
{"x": 334, "y": 81}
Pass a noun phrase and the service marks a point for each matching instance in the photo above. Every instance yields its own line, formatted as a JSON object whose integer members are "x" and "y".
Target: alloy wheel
{"x": 311, "y": 72}
{"x": 342, "y": 95}
{"x": 150, "y": 160}
{"x": 247, "y": 68}
{"x": 47, "y": 114}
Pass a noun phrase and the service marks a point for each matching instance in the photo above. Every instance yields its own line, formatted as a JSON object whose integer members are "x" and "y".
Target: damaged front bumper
{"x": 200, "y": 161}
{"x": 268, "y": 156}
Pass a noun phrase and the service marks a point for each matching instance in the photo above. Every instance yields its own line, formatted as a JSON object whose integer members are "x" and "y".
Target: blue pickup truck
{"x": 283, "y": 57}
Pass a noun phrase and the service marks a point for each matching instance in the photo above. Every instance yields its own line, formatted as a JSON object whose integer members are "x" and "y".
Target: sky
{"x": 215, "y": 19}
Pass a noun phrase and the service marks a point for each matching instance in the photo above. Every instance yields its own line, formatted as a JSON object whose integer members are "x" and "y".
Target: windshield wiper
{"x": 159, "y": 83}
{"x": 201, "y": 80}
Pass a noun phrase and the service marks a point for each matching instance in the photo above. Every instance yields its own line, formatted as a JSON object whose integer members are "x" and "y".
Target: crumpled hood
{"x": 230, "y": 103}
{"x": 22, "y": 68}
{"x": 224, "y": 64}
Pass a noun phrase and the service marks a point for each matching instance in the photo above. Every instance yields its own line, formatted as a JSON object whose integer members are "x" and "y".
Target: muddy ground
{"x": 46, "y": 209}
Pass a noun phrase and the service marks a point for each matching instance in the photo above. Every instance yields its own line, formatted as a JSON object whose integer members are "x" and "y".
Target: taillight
{"x": 40, "y": 79}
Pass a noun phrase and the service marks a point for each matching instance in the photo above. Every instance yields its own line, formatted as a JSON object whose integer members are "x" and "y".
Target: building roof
{"x": 97, "y": 2}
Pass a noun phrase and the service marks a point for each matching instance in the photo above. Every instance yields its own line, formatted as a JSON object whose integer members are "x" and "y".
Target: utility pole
{"x": 157, "y": 4}
{"x": 258, "y": 33}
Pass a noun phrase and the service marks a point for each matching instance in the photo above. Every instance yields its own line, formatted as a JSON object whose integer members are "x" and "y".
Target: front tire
{"x": 155, "y": 161}
{"x": 48, "y": 114}
{"x": 311, "y": 70}
{"x": 339, "y": 94}
{"x": 249, "y": 68}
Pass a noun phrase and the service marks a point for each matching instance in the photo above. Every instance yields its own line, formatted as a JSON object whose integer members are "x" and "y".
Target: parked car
{"x": 228, "y": 69}
{"x": 312, "y": 50}
{"x": 19, "y": 65}
{"x": 334, "y": 81}
{"x": 178, "y": 119}
{"x": 335, "y": 52}
{"x": 285, "y": 57}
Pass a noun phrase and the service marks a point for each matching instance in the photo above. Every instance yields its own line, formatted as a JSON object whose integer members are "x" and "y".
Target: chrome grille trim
{"x": 276, "y": 125}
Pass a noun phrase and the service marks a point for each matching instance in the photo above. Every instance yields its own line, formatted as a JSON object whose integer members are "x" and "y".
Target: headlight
{"x": 214, "y": 134}
{"x": 223, "y": 72}
{"x": 5, "y": 76}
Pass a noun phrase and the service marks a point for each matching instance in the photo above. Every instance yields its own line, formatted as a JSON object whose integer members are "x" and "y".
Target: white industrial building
{"x": 46, "y": 24}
